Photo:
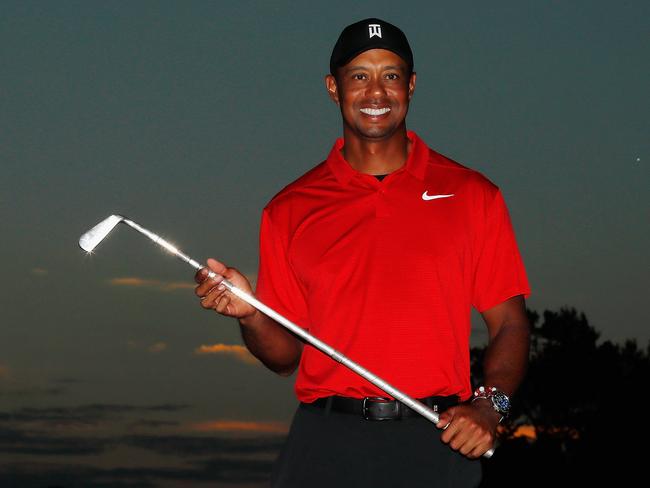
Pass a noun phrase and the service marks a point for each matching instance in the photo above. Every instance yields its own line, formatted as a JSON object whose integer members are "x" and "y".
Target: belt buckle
{"x": 364, "y": 408}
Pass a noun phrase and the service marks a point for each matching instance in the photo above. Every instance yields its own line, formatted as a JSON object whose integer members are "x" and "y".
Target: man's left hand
{"x": 470, "y": 428}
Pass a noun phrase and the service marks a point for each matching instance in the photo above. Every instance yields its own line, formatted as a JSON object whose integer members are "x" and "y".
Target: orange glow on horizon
{"x": 239, "y": 352}
{"x": 135, "y": 281}
{"x": 240, "y": 426}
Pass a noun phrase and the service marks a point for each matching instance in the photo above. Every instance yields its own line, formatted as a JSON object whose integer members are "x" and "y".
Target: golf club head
{"x": 94, "y": 236}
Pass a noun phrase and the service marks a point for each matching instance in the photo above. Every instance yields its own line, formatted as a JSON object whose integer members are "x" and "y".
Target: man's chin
{"x": 376, "y": 133}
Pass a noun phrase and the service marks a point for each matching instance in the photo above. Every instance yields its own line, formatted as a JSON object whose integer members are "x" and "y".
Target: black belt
{"x": 379, "y": 408}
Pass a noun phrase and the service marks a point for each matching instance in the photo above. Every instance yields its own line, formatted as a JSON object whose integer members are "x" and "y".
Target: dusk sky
{"x": 188, "y": 117}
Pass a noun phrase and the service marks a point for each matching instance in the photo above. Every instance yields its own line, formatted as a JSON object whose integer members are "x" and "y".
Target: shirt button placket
{"x": 382, "y": 209}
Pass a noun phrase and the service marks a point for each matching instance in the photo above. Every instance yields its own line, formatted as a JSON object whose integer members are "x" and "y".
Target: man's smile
{"x": 374, "y": 111}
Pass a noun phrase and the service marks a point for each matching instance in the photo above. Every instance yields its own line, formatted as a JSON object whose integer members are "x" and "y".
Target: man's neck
{"x": 376, "y": 157}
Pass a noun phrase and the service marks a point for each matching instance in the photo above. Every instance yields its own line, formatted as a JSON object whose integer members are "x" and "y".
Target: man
{"x": 380, "y": 251}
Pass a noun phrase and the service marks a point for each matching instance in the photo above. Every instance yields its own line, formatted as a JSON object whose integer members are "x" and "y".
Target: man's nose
{"x": 375, "y": 87}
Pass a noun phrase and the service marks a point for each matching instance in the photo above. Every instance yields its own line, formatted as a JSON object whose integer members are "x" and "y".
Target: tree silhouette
{"x": 584, "y": 401}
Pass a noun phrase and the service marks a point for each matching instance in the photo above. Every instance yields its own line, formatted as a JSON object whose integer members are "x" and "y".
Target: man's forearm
{"x": 271, "y": 343}
{"x": 506, "y": 357}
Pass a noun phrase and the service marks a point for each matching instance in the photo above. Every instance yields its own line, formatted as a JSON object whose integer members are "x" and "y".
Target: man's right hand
{"x": 215, "y": 296}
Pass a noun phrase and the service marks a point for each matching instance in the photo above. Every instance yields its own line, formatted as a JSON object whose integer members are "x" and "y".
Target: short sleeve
{"x": 499, "y": 272}
{"x": 277, "y": 285}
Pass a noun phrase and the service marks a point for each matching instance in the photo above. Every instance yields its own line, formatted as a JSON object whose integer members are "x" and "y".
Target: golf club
{"x": 98, "y": 233}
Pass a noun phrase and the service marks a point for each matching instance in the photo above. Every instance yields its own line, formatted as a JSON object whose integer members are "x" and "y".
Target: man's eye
{"x": 392, "y": 76}
{"x": 358, "y": 76}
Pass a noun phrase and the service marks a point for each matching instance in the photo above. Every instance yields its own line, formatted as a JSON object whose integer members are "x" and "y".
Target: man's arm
{"x": 271, "y": 343}
{"x": 471, "y": 428}
{"x": 267, "y": 340}
{"x": 506, "y": 356}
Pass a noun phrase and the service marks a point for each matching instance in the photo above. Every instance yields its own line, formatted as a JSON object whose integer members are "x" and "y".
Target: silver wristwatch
{"x": 500, "y": 401}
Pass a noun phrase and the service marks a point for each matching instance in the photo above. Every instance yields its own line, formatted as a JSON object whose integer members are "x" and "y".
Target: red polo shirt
{"x": 387, "y": 271}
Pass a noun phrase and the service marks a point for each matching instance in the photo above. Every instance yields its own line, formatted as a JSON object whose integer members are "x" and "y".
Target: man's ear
{"x": 412, "y": 84}
{"x": 332, "y": 89}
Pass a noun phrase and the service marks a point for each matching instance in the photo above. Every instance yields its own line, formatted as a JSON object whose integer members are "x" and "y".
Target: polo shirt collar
{"x": 416, "y": 163}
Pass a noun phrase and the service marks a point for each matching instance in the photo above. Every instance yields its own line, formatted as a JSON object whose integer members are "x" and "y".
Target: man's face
{"x": 373, "y": 91}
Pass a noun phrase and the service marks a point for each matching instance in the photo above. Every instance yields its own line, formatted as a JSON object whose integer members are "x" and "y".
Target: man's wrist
{"x": 497, "y": 399}
{"x": 485, "y": 405}
{"x": 249, "y": 320}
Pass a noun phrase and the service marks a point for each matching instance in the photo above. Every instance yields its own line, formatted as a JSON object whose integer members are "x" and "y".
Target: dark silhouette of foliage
{"x": 585, "y": 401}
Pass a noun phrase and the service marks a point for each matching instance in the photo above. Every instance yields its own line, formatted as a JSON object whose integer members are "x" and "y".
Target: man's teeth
{"x": 375, "y": 111}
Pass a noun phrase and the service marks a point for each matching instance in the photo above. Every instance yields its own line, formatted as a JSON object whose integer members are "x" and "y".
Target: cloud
{"x": 187, "y": 445}
{"x": 83, "y": 414}
{"x": 67, "y": 381}
{"x": 189, "y": 458}
{"x": 239, "y": 352}
{"x": 224, "y": 451}
{"x": 241, "y": 426}
{"x": 21, "y": 442}
{"x": 34, "y": 391}
{"x": 157, "y": 347}
{"x": 13, "y": 386}
{"x": 39, "y": 271}
{"x": 48, "y": 431}
{"x": 39, "y": 443}
{"x": 165, "y": 286}
{"x": 153, "y": 424}
{"x": 252, "y": 473}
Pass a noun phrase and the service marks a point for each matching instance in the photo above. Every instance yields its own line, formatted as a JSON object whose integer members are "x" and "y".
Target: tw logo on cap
{"x": 374, "y": 30}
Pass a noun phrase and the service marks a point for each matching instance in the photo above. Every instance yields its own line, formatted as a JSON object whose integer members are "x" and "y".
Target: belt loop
{"x": 328, "y": 405}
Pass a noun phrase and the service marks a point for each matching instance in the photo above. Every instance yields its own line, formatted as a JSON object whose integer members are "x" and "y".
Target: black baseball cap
{"x": 369, "y": 34}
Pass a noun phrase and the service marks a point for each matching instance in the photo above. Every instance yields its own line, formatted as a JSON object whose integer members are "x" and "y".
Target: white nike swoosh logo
{"x": 433, "y": 197}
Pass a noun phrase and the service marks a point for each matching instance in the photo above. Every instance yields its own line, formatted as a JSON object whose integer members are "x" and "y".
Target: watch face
{"x": 501, "y": 402}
